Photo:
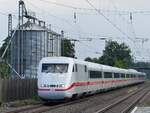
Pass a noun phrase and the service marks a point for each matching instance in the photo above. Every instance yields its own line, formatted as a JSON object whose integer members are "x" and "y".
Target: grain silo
{"x": 33, "y": 42}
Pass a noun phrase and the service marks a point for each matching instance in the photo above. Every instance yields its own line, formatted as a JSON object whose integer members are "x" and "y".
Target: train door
{"x": 81, "y": 78}
{"x": 108, "y": 80}
{"x": 117, "y": 79}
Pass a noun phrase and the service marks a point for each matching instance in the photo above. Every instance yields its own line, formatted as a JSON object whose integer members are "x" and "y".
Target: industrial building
{"x": 37, "y": 42}
{"x": 31, "y": 42}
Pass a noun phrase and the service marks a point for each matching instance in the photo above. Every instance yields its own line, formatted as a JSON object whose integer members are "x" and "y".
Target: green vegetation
{"x": 4, "y": 69}
{"x": 2, "y": 49}
{"x": 36, "y": 98}
{"x": 142, "y": 66}
{"x": 115, "y": 54}
{"x": 21, "y": 103}
{"x": 67, "y": 48}
{"x": 119, "y": 55}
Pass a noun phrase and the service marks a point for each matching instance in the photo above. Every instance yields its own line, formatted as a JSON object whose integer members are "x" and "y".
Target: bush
{"x": 4, "y": 70}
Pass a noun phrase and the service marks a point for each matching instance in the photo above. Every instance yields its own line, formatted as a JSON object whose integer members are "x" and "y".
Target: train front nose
{"x": 52, "y": 80}
{"x": 53, "y": 87}
{"x": 51, "y": 94}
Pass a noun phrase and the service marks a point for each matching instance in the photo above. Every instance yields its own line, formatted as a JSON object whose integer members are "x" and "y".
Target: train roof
{"x": 90, "y": 65}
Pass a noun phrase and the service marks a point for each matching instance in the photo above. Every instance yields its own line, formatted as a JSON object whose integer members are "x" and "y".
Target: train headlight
{"x": 61, "y": 85}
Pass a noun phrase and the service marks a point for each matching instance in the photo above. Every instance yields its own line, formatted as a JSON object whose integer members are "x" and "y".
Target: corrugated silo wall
{"x": 36, "y": 45}
{"x": 57, "y": 45}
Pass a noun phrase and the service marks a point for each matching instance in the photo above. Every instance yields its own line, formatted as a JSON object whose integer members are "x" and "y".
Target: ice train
{"x": 61, "y": 78}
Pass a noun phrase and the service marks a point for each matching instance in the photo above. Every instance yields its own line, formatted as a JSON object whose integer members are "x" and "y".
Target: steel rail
{"x": 103, "y": 110}
{"x": 40, "y": 108}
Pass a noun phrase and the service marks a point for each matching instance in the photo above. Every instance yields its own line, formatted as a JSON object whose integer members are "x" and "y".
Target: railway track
{"x": 125, "y": 104}
{"x": 46, "y": 107}
{"x": 23, "y": 109}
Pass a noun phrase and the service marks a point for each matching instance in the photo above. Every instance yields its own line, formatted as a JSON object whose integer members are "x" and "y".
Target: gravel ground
{"x": 123, "y": 105}
{"x": 18, "y": 104}
{"x": 145, "y": 102}
{"x": 91, "y": 104}
{"x": 95, "y": 102}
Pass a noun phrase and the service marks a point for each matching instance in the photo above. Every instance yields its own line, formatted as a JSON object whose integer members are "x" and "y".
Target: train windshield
{"x": 54, "y": 68}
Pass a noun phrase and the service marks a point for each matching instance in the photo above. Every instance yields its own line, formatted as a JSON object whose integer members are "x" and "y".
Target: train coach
{"x": 62, "y": 77}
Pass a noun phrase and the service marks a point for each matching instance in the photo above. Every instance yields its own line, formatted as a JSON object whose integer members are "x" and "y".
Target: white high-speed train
{"x": 62, "y": 78}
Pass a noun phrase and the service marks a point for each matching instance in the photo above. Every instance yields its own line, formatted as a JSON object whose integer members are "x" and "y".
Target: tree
{"x": 3, "y": 47}
{"x": 4, "y": 68}
{"x": 88, "y": 59}
{"x": 121, "y": 64}
{"x": 95, "y": 60}
{"x": 115, "y": 54}
{"x": 67, "y": 48}
{"x": 142, "y": 67}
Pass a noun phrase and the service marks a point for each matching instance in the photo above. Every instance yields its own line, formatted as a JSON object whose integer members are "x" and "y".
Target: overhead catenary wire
{"x": 87, "y": 9}
{"x": 100, "y": 9}
{"x": 120, "y": 12}
{"x": 6, "y": 14}
{"x": 134, "y": 34}
{"x": 115, "y": 7}
{"x": 89, "y": 48}
{"x": 119, "y": 15}
{"x": 52, "y": 15}
{"x": 61, "y": 19}
{"x": 2, "y": 13}
{"x": 114, "y": 25}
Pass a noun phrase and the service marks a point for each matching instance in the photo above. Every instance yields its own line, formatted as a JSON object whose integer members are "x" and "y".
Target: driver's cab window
{"x": 75, "y": 68}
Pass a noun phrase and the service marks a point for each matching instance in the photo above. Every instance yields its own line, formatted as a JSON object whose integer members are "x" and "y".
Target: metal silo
{"x": 32, "y": 43}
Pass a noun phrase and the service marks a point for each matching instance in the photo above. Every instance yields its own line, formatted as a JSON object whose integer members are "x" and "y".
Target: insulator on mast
{"x": 131, "y": 17}
{"x": 75, "y": 17}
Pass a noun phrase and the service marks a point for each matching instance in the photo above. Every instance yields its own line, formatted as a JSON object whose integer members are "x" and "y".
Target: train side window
{"x": 127, "y": 75}
{"x": 107, "y": 75}
{"x": 73, "y": 69}
{"x": 116, "y": 75}
{"x": 95, "y": 74}
{"x": 122, "y": 75}
{"x": 141, "y": 76}
{"x": 85, "y": 68}
{"x": 132, "y": 76}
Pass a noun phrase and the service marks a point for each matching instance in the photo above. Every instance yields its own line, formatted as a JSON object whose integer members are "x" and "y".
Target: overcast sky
{"x": 90, "y": 23}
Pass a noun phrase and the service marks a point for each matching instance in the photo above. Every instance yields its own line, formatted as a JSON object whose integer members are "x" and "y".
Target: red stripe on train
{"x": 77, "y": 84}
